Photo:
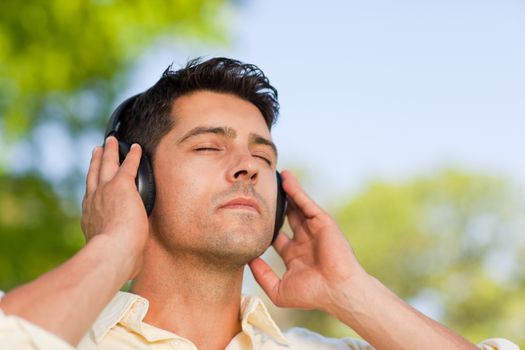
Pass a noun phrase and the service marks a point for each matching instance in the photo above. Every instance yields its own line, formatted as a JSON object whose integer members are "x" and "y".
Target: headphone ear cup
{"x": 145, "y": 181}
{"x": 280, "y": 214}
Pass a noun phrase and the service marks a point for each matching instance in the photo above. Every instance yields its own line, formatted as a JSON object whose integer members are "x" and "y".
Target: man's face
{"x": 215, "y": 179}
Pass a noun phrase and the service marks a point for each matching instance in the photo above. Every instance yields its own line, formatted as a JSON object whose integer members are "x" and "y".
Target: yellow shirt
{"x": 120, "y": 327}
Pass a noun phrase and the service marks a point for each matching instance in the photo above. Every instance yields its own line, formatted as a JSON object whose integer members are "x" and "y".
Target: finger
{"x": 266, "y": 277}
{"x": 110, "y": 160}
{"x": 280, "y": 243}
{"x": 294, "y": 190}
{"x": 94, "y": 169}
{"x": 131, "y": 163}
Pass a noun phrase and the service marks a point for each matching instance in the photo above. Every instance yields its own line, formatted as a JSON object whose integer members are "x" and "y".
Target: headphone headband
{"x": 114, "y": 121}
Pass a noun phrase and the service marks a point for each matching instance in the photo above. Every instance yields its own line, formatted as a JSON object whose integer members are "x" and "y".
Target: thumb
{"x": 266, "y": 277}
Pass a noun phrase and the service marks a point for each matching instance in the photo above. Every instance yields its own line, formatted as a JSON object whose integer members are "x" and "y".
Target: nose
{"x": 245, "y": 168}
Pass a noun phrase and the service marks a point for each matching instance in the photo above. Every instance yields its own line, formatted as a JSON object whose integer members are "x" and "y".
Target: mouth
{"x": 242, "y": 203}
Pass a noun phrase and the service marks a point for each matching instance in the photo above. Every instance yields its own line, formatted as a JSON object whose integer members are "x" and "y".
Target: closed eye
{"x": 203, "y": 149}
{"x": 268, "y": 161}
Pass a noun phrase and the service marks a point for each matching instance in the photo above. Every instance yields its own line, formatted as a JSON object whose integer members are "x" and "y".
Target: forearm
{"x": 387, "y": 322}
{"x": 67, "y": 300}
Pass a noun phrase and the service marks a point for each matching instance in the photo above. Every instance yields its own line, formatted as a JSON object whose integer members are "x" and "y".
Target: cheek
{"x": 268, "y": 190}
{"x": 180, "y": 190}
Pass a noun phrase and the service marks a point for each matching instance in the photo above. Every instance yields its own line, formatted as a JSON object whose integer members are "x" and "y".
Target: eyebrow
{"x": 222, "y": 131}
{"x": 254, "y": 139}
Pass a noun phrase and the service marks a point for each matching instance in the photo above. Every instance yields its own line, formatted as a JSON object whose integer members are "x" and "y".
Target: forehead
{"x": 213, "y": 109}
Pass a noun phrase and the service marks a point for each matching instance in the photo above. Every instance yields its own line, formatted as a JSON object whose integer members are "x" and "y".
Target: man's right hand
{"x": 112, "y": 205}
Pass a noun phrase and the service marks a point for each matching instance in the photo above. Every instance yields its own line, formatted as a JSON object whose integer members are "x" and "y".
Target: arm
{"x": 323, "y": 273}
{"x": 67, "y": 300}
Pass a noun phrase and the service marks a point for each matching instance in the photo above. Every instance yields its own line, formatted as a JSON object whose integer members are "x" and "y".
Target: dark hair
{"x": 149, "y": 118}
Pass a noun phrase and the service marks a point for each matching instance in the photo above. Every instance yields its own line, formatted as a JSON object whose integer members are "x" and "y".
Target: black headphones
{"x": 145, "y": 181}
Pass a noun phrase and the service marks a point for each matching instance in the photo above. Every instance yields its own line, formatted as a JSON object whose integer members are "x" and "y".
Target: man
{"x": 206, "y": 131}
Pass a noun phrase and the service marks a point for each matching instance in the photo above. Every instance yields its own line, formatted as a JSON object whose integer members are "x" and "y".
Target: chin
{"x": 222, "y": 241}
{"x": 237, "y": 245}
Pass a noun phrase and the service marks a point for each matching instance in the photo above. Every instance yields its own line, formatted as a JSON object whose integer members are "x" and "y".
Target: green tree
{"x": 58, "y": 55}
{"x": 451, "y": 242}
{"x": 38, "y": 229}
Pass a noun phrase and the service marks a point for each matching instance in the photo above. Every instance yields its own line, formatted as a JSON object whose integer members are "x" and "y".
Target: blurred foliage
{"x": 451, "y": 244}
{"x": 66, "y": 60}
{"x": 39, "y": 231}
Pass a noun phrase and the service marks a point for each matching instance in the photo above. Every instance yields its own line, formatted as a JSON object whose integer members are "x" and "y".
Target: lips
{"x": 242, "y": 203}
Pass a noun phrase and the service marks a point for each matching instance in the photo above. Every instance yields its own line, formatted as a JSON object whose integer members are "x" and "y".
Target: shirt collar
{"x": 128, "y": 310}
{"x": 255, "y": 314}
{"x": 123, "y": 308}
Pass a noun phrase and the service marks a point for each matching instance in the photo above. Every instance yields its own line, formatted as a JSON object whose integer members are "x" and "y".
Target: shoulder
{"x": 302, "y": 338}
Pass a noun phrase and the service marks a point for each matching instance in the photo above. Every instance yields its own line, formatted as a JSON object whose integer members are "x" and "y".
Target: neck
{"x": 190, "y": 296}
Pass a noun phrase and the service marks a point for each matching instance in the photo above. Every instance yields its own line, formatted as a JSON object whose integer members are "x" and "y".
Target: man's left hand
{"x": 319, "y": 260}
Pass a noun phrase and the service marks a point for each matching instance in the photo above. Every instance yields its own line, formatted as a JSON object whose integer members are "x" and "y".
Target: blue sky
{"x": 381, "y": 89}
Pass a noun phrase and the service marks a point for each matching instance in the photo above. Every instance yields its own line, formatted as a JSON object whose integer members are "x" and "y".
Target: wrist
{"x": 350, "y": 301}
{"x": 118, "y": 255}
